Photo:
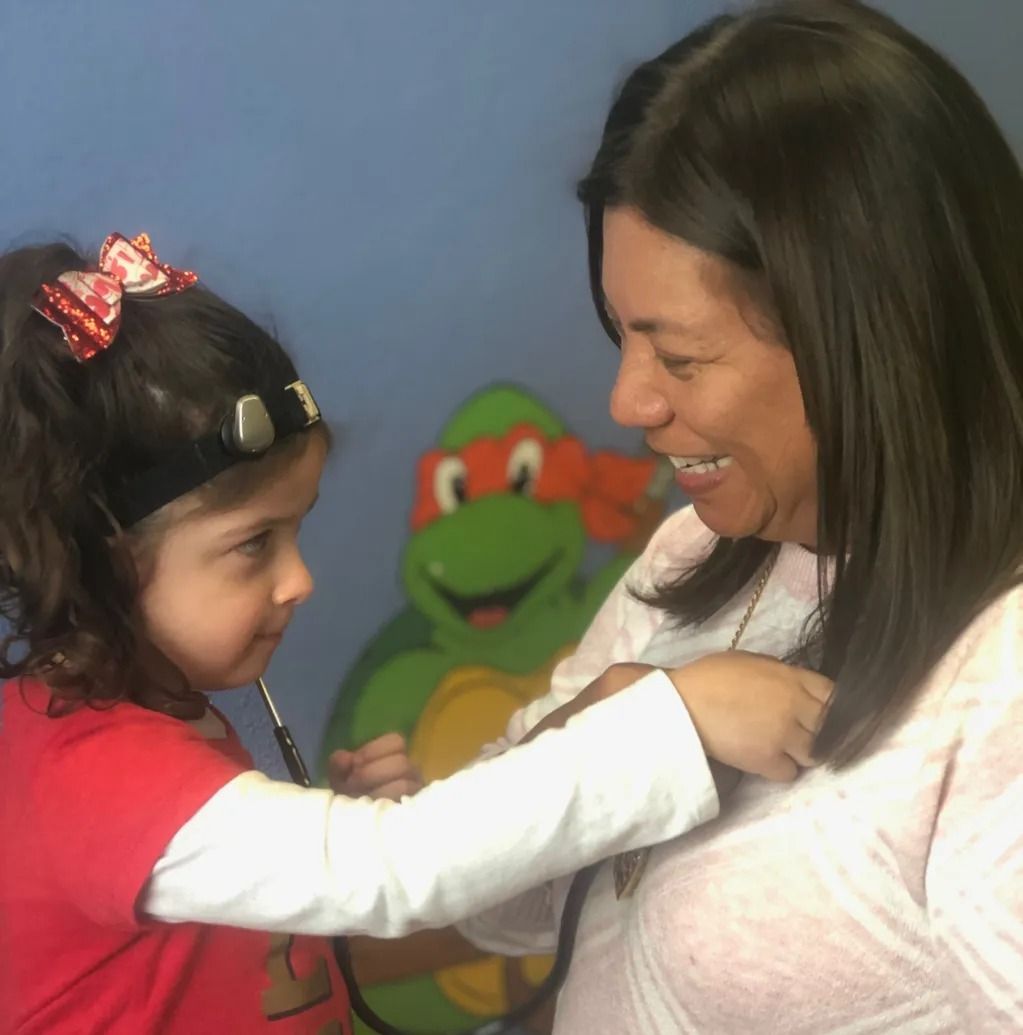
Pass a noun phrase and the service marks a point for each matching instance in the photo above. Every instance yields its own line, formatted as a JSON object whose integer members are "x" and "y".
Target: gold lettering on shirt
{"x": 289, "y": 993}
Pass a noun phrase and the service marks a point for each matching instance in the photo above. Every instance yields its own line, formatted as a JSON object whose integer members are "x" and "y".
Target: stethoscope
{"x": 506, "y": 1023}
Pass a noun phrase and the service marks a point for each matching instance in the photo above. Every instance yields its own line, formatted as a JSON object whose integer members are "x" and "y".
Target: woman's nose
{"x": 636, "y": 400}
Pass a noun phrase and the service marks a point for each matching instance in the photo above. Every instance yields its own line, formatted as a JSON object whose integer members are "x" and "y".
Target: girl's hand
{"x": 754, "y": 713}
{"x": 378, "y": 769}
{"x": 615, "y": 678}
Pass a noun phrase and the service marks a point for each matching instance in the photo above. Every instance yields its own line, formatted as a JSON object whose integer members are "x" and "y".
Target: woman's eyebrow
{"x": 657, "y": 324}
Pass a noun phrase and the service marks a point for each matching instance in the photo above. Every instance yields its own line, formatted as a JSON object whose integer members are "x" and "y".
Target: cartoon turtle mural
{"x": 504, "y": 509}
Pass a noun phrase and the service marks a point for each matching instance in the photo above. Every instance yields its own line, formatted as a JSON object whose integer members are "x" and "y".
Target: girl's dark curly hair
{"x": 70, "y": 432}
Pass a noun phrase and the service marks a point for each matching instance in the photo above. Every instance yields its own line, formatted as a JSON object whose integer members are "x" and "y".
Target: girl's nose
{"x": 296, "y": 582}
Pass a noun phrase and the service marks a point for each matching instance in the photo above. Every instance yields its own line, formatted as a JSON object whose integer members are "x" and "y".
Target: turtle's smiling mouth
{"x": 487, "y": 610}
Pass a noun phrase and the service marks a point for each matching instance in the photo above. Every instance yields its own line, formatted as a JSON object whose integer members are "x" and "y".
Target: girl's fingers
{"x": 800, "y": 747}
{"x": 339, "y": 768}
{"x": 397, "y": 789}
{"x": 781, "y": 770}
{"x": 817, "y": 686}
{"x": 383, "y": 771}
{"x": 809, "y": 712}
{"x": 388, "y": 744}
{"x": 726, "y": 779}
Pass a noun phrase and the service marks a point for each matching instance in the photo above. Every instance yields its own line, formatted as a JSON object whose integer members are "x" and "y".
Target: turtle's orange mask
{"x": 606, "y": 485}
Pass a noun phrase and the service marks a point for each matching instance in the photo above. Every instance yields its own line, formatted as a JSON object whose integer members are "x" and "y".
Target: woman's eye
{"x": 677, "y": 366}
{"x": 255, "y": 546}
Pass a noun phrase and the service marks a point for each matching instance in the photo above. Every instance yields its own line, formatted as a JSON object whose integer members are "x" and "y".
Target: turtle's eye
{"x": 449, "y": 484}
{"x": 524, "y": 466}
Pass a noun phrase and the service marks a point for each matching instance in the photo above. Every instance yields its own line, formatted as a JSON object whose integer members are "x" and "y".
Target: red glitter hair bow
{"x": 86, "y": 306}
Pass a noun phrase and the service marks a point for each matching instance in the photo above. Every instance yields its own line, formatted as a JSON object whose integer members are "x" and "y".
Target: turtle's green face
{"x": 486, "y": 567}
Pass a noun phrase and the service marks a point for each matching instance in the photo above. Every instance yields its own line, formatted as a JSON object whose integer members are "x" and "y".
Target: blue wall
{"x": 390, "y": 181}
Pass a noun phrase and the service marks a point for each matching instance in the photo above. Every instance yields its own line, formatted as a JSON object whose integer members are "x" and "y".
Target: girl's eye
{"x": 255, "y": 546}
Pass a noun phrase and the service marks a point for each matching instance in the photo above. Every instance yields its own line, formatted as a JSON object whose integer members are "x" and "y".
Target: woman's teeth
{"x": 700, "y": 464}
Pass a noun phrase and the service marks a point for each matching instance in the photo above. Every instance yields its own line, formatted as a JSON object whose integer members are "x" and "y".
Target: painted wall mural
{"x": 503, "y": 511}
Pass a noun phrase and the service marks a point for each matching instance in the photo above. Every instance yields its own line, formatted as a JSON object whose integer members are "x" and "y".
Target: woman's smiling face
{"x": 721, "y": 399}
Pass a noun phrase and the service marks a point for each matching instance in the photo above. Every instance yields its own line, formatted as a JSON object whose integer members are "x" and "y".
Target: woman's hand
{"x": 753, "y": 712}
{"x": 379, "y": 769}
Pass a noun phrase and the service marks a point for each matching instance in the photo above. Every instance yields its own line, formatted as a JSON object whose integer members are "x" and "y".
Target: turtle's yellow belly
{"x": 471, "y": 707}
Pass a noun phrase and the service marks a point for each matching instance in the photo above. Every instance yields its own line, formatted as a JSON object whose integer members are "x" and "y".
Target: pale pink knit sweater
{"x": 887, "y": 897}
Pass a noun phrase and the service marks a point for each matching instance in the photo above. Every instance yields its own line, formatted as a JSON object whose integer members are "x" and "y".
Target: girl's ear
{"x": 137, "y": 549}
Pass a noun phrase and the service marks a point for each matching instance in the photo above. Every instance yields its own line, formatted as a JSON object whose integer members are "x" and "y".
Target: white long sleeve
{"x": 267, "y": 855}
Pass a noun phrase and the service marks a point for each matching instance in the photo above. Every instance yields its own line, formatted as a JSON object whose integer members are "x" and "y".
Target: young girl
{"x": 159, "y": 454}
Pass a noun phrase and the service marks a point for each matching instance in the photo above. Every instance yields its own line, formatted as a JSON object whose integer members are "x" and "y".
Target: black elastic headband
{"x": 247, "y": 432}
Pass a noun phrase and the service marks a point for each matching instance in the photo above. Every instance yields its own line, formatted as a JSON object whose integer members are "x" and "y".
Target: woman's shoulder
{"x": 991, "y": 646}
{"x": 964, "y": 726}
{"x": 978, "y": 682}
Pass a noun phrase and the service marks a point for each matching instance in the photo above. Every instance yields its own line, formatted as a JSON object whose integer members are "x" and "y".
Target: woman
{"x": 805, "y": 237}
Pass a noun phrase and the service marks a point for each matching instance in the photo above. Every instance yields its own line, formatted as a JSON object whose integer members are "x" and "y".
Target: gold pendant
{"x": 628, "y": 871}
{"x": 629, "y": 866}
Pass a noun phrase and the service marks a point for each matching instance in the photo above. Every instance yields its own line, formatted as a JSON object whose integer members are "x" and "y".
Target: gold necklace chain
{"x": 758, "y": 592}
{"x": 629, "y": 866}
